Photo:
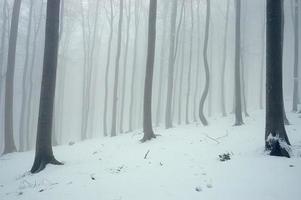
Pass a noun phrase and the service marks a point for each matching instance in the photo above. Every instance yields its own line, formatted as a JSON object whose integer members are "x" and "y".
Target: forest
{"x": 152, "y": 99}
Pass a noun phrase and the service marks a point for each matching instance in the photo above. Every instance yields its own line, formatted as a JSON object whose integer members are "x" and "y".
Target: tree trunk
{"x": 205, "y": 56}
{"x": 275, "y": 134}
{"x": 147, "y": 106}
{"x": 238, "y": 110}
{"x": 296, "y": 59}
{"x": 223, "y": 99}
{"x": 9, "y": 144}
{"x": 131, "y": 113}
{"x": 168, "y": 117}
{"x": 44, "y": 153}
{"x": 24, "y": 109}
{"x": 115, "y": 98}
{"x": 125, "y": 66}
{"x": 261, "y": 89}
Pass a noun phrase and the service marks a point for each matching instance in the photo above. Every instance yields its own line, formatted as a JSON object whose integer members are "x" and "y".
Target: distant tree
{"x": 147, "y": 106}
{"x": 125, "y": 62}
{"x": 296, "y": 58}
{"x": 261, "y": 89}
{"x": 117, "y": 64}
{"x": 237, "y": 71}
{"x": 223, "y": 99}
{"x": 22, "y": 129}
{"x": 44, "y": 154}
{"x": 9, "y": 144}
{"x": 110, "y": 17}
{"x": 189, "y": 65}
{"x": 276, "y": 140}
{"x": 171, "y": 62}
{"x": 205, "y": 56}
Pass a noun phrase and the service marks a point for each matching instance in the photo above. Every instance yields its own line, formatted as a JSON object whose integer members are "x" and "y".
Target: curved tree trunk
{"x": 9, "y": 143}
{"x": 205, "y": 56}
{"x": 147, "y": 107}
{"x": 44, "y": 153}
{"x": 117, "y": 64}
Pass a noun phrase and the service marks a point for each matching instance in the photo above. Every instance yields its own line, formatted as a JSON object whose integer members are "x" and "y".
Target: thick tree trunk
{"x": 9, "y": 144}
{"x": 44, "y": 153}
{"x": 205, "y": 56}
{"x": 168, "y": 117}
{"x": 147, "y": 107}
{"x": 24, "y": 109}
{"x": 117, "y": 64}
{"x": 276, "y": 139}
{"x": 223, "y": 98}
{"x": 238, "y": 106}
{"x": 296, "y": 58}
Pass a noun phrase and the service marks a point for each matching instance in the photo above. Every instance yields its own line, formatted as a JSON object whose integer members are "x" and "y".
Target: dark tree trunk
{"x": 9, "y": 144}
{"x": 24, "y": 109}
{"x": 296, "y": 59}
{"x": 223, "y": 99}
{"x": 110, "y": 19}
{"x": 189, "y": 65}
{"x": 44, "y": 153}
{"x": 115, "y": 89}
{"x": 238, "y": 106}
{"x": 147, "y": 106}
{"x": 168, "y": 117}
{"x": 205, "y": 56}
{"x": 275, "y": 134}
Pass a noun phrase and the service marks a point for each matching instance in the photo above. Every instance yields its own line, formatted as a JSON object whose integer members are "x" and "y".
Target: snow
{"x": 182, "y": 163}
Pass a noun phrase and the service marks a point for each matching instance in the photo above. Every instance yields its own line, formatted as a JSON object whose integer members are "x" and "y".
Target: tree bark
{"x": 147, "y": 106}
{"x": 275, "y": 134}
{"x": 296, "y": 58}
{"x": 44, "y": 153}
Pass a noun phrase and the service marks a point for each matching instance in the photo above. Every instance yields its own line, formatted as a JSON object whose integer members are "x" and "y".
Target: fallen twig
{"x": 145, "y": 156}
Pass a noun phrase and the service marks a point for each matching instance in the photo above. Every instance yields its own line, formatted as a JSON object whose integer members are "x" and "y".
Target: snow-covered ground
{"x": 183, "y": 163}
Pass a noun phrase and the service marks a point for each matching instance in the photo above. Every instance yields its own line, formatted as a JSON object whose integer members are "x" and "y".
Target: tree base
{"x": 277, "y": 147}
{"x": 203, "y": 120}
{"x": 40, "y": 164}
{"x": 147, "y": 137}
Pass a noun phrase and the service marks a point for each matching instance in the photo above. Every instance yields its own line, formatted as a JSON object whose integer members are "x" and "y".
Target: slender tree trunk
{"x": 125, "y": 61}
{"x": 238, "y": 112}
{"x": 223, "y": 99}
{"x": 275, "y": 134}
{"x": 9, "y": 143}
{"x": 168, "y": 117}
{"x": 44, "y": 153}
{"x": 189, "y": 65}
{"x": 261, "y": 89}
{"x": 131, "y": 113}
{"x": 198, "y": 67}
{"x": 296, "y": 59}
{"x": 24, "y": 110}
{"x": 182, "y": 70}
{"x": 205, "y": 56}
{"x": 115, "y": 98}
{"x": 147, "y": 107}
{"x": 105, "y": 116}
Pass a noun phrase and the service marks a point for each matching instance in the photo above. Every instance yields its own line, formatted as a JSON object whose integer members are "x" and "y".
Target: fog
{"x": 84, "y": 53}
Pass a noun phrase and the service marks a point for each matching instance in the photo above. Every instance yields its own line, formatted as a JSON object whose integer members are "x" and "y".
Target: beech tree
{"x": 44, "y": 154}
{"x": 276, "y": 140}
